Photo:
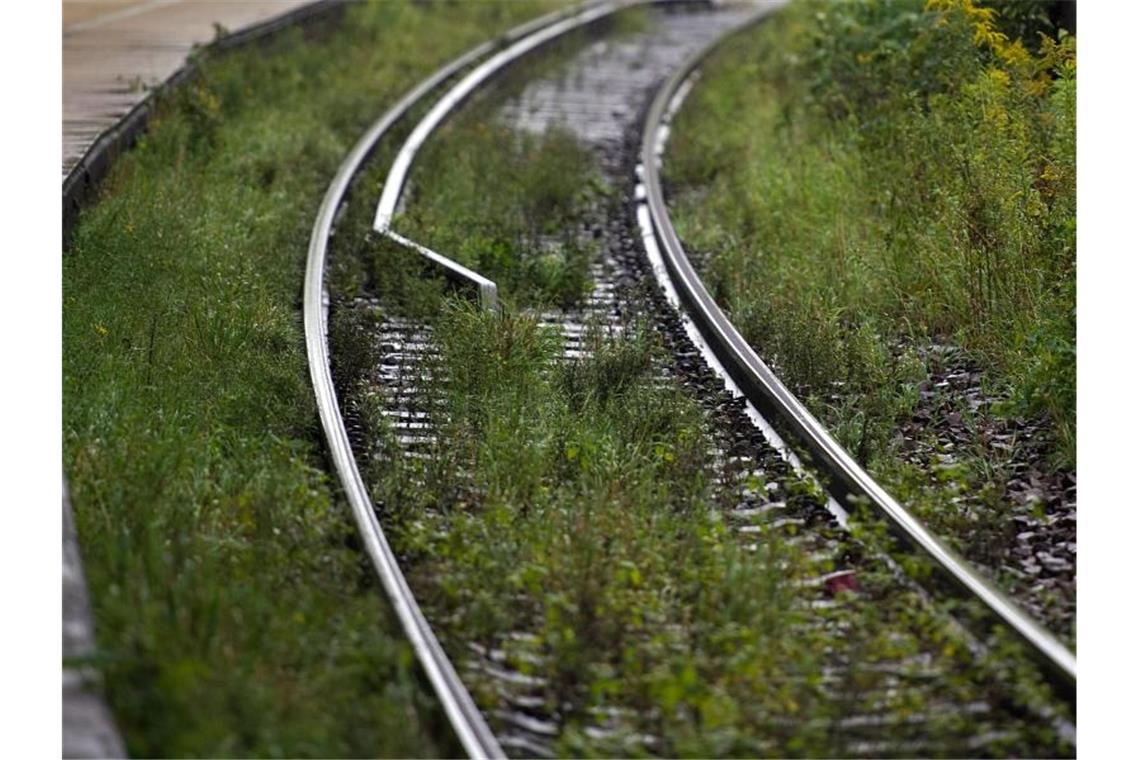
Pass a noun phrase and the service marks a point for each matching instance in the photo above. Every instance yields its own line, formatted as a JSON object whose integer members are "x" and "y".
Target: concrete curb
{"x": 88, "y": 728}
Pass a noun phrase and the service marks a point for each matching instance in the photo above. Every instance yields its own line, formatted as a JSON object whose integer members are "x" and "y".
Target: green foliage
{"x": 1031, "y": 20}
{"x": 862, "y": 179}
{"x": 869, "y": 176}
{"x": 234, "y": 615}
{"x": 508, "y": 205}
{"x": 577, "y": 531}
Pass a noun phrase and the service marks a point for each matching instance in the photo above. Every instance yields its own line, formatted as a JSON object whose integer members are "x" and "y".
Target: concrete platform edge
{"x": 88, "y": 728}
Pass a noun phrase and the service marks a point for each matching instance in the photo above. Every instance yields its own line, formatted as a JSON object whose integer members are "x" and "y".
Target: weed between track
{"x": 569, "y": 521}
{"x": 573, "y": 502}
{"x": 522, "y": 235}
{"x": 865, "y": 185}
{"x": 235, "y": 614}
{"x": 568, "y": 524}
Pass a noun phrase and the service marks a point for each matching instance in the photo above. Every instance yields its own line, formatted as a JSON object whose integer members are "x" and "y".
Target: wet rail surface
{"x": 600, "y": 95}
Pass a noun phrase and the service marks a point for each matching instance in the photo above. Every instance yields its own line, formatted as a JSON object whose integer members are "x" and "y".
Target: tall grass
{"x": 525, "y": 234}
{"x": 865, "y": 184}
{"x": 234, "y": 614}
{"x": 865, "y": 174}
{"x": 569, "y": 517}
{"x": 572, "y": 521}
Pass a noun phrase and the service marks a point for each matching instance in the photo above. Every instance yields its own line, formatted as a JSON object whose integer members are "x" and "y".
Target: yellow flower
{"x": 1015, "y": 54}
{"x": 998, "y": 76}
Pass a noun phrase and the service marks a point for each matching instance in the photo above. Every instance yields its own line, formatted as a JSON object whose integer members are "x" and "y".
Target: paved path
{"x": 114, "y": 49}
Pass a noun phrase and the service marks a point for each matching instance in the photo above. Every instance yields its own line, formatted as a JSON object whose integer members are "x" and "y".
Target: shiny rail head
{"x": 846, "y": 478}
{"x": 464, "y": 716}
{"x": 487, "y": 290}
{"x": 514, "y": 47}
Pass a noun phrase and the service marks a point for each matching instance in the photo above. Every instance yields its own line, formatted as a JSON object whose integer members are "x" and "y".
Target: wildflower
{"x": 998, "y": 76}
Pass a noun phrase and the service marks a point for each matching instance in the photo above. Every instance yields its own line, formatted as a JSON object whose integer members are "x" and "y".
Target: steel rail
{"x": 488, "y": 290}
{"x": 466, "y": 720}
{"x": 847, "y": 481}
{"x": 397, "y": 177}
{"x": 398, "y": 174}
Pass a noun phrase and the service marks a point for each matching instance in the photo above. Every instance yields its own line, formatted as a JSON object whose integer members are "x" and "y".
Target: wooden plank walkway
{"x": 113, "y": 50}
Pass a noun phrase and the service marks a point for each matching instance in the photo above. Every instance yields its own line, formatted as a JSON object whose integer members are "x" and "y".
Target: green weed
{"x": 523, "y": 234}
{"x": 234, "y": 614}
{"x": 861, "y": 180}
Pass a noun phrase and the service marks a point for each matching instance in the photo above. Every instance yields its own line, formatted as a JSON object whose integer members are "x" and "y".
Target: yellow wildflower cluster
{"x": 1055, "y": 54}
{"x": 986, "y": 34}
{"x": 1058, "y": 55}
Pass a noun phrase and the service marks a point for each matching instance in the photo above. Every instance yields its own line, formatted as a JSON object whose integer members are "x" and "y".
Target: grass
{"x": 544, "y": 184}
{"x": 525, "y": 236}
{"x": 571, "y": 521}
{"x": 860, "y": 181}
{"x": 570, "y": 517}
{"x": 234, "y": 613}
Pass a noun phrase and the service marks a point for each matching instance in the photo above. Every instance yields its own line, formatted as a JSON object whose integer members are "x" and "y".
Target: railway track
{"x": 640, "y": 275}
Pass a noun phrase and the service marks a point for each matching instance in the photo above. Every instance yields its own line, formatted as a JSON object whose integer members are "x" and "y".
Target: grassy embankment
{"x": 234, "y": 614}
{"x": 860, "y": 181}
{"x": 573, "y": 503}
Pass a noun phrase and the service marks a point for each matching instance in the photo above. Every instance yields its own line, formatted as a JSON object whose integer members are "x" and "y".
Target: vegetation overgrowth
{"x": 234, "y": 613}
{"x": 508, "y": 205}
{"x": 863, "y": 181}
{"x": 525, "y": 235}
{"x": 511, "y": 204}
{"x": 570, "y": 518}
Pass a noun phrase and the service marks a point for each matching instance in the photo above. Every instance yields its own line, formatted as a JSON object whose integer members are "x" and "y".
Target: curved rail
{"x": 848, "y": 482}
{"x": 465, "y": 718}
{"x": 398, "y": 174}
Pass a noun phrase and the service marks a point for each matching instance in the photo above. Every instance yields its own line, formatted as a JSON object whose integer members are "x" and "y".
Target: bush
{"x": 903, "y": 172}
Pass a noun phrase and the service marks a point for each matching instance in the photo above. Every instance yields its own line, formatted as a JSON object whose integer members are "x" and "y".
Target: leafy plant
{"x": 860, "y": 181}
